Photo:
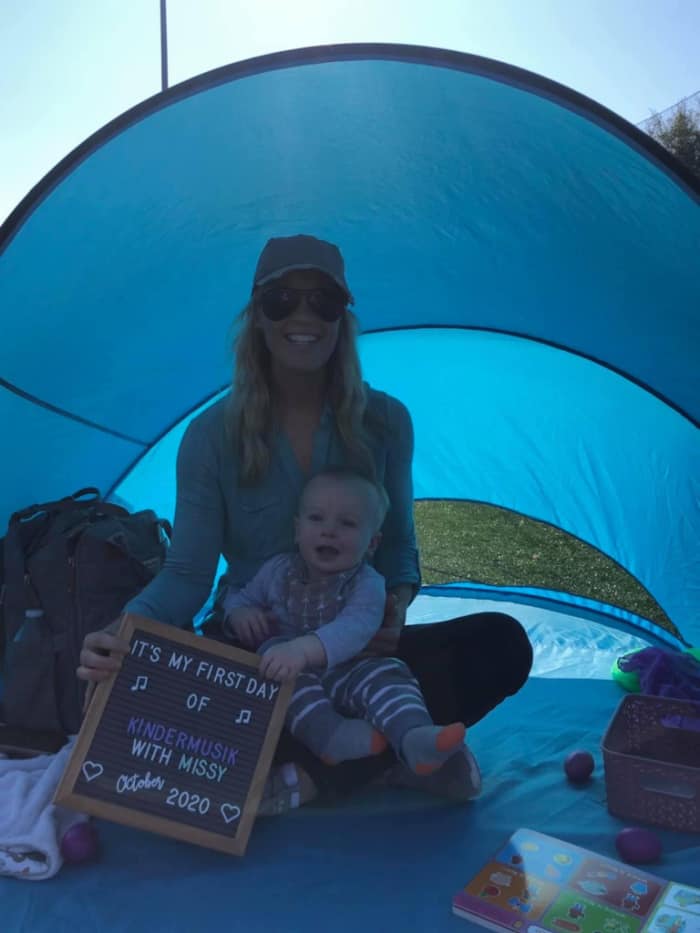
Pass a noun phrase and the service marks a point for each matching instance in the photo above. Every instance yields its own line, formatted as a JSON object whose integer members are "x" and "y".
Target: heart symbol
{"x": 230, "y": 812}
{"x": 91, "y": 770}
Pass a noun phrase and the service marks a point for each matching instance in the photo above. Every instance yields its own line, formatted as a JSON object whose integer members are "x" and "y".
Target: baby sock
{"x": 427, "y": 748}
{"x": 353, "y": 738}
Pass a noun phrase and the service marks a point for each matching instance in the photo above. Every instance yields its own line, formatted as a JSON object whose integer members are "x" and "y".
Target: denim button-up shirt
{"x": 216, "y": 515}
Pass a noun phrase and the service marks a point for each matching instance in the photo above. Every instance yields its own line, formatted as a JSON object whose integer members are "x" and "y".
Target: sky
{"x": 67, "y": 67}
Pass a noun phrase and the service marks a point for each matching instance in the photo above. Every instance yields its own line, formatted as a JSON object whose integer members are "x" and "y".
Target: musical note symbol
{"x": 243, "y": 717}
{"x": 141, "y": 683}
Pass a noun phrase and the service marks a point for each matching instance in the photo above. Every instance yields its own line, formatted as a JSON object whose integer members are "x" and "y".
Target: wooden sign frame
{"x": 67, "y": 796}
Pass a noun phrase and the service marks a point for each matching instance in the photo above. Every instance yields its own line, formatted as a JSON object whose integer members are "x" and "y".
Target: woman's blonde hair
{"x": 250, "y": 411}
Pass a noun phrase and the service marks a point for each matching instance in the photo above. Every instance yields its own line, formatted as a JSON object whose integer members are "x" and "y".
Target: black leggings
{"x": 465, "y": 668}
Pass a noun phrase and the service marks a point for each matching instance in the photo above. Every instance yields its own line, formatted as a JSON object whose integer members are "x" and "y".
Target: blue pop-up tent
{"x": 525, "y": 269}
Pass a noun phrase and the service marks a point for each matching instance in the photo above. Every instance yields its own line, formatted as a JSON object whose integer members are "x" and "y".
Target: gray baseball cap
{"x": 282, "y": 254}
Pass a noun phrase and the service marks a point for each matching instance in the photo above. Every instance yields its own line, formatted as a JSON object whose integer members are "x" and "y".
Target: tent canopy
{"x": 525, "y": 270}
{"x": 524, "y": 265}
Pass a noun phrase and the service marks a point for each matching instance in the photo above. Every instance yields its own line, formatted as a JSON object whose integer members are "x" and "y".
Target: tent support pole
{"x": 163, "y": 46}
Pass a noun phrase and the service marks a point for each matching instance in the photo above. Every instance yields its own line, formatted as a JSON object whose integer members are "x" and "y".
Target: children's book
{"x": 537, "y": 883}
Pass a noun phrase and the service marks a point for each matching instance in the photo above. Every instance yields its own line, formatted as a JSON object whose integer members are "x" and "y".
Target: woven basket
{"x": 651, "y": 754}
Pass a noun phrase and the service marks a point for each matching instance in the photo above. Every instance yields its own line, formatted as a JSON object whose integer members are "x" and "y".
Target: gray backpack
{"x": 69, "y": 567}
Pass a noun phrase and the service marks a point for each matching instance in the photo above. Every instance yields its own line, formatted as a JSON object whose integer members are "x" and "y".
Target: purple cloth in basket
{"x": 664, "y": 673}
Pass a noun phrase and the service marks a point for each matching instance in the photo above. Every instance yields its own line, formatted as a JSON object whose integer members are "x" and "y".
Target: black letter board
{"x": 180, "y": 741}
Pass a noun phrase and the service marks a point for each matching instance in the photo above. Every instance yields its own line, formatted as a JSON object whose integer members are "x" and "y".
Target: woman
{"x": 298, "y": 404}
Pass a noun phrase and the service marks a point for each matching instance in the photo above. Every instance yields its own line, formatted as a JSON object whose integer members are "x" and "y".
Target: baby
{"x": 310, "y": 614}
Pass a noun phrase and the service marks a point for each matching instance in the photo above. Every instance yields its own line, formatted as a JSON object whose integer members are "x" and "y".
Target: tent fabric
{"x": 385, "y": 859}
{"x": 514, "y": 414}
{"x": 525, "y": 269}
{"x": 556, "y": 243}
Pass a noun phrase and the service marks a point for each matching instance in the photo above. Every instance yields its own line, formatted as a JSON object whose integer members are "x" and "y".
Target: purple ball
{"x": 80, "y": 843}
{"x": 638, "y": 846}
{"x": 579, "y": 766}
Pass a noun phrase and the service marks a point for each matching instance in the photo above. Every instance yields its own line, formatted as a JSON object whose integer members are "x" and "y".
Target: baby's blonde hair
{"x": 381, "y": 502}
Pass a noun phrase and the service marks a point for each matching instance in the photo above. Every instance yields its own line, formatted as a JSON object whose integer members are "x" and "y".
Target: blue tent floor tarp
{"x": 386, "y": 859}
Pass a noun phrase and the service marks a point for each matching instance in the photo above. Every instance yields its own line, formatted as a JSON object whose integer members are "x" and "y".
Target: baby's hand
{"x": 250, "y": 625}
{"x": 283, "y": 662}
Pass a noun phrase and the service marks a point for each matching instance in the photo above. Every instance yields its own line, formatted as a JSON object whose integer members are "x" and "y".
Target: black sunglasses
{"x": 280, "y": 301}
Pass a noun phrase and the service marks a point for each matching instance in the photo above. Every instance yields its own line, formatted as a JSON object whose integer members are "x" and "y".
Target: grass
{"x": 485, "y": 544}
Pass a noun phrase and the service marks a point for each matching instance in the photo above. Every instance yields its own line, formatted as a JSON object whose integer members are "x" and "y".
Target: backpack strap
{"x": 18, "y": 591}
{"x": 166, "y": 527}
{"x": 88, "y": 496}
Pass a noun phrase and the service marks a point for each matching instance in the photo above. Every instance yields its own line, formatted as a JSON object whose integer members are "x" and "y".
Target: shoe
{"x": 287, "y": 787}
{"x": 459, "y": 779}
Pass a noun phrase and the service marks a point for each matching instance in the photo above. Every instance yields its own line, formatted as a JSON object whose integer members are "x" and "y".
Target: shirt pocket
{"x": 262, "y": 524}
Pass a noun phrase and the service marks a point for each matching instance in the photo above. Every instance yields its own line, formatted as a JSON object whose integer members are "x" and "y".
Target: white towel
{"x": 31, "y": 826}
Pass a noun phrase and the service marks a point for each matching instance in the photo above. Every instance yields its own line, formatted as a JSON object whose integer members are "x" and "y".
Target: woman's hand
{"x": 386, "y": 641}
{"x": 101, "y": 657}
{"x": 250, "y": 625}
